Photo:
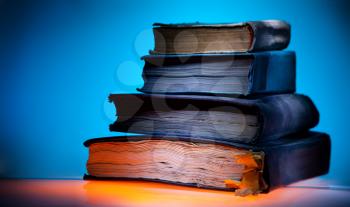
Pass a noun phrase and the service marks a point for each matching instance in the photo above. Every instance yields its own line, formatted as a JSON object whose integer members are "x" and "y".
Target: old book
{"x": 220, "y": 38}
{"x": 213, "y": 117}
{"x": 236, "y": 74}
{"x": 208, "y": 163}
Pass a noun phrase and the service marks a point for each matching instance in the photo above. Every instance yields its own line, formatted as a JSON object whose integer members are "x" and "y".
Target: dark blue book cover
{"x": 279, "y": 162}
{"x": 212, "y": 117}
{"x": 229, "y": 73}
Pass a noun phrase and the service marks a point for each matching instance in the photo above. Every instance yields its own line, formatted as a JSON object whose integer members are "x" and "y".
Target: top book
{"x": 220, "y": 38}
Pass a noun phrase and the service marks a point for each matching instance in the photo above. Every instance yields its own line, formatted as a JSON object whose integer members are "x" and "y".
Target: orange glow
{"x": 246, "y": 160}
{"x": 137, "y": 193}
{"x": 232, "y": 183}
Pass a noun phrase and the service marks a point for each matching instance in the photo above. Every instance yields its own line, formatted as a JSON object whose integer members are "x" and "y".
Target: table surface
{"x": 312, "y": 192}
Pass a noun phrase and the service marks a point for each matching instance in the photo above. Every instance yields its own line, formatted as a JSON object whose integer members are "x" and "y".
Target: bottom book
{"x": 214, "y": 164}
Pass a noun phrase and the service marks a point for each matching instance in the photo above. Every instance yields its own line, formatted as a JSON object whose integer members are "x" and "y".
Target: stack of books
{"x": 218, "y": 110}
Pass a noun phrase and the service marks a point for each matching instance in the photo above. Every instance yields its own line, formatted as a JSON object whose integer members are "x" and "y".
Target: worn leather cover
{"x": 267, "y": 34}
{"x": 270, "y": 72}
{"x": 278, "y": 115}
{"x": 287, "y": 160}
{"x": 270, "y": 35}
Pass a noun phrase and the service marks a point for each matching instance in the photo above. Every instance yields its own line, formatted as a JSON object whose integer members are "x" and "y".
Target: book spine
{"x": 286, "y": 164}
{"x": 273, "y": 72}
{"x": 269, "y": 35}
{"x": 281, "y": 115}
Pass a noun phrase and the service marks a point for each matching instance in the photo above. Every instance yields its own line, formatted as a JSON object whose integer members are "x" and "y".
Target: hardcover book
{"x": 212, "y": 117}
{"x": 231, "y": 74}
{"x": 220, "y": 38}
{"x": 210, "y": 164}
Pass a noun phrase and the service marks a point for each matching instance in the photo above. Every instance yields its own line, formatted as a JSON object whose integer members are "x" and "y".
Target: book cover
{"x": 221, "y": 74}
{"x": 208, "y": 163}
{"x": 241, "y": 120}
{"x": 219, "y": 38}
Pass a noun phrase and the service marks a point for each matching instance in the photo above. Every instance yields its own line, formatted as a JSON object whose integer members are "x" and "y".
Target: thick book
{"x": 211, "y": 164}
{"x": 241, "y": 120}
{"x": 220, "y": 38}
{"x": 231, "y": 73}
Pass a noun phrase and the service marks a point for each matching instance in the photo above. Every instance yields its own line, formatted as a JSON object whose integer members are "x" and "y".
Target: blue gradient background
{"x": 59, "y": 61}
